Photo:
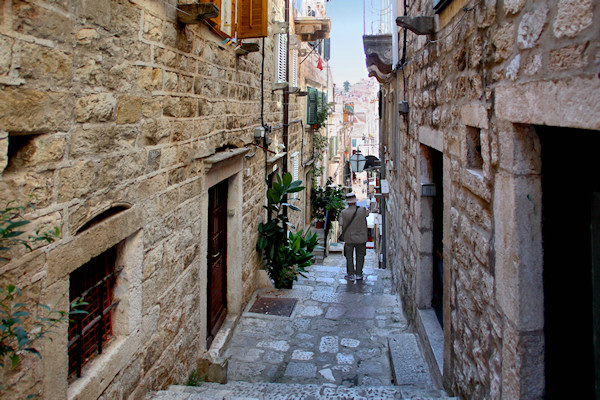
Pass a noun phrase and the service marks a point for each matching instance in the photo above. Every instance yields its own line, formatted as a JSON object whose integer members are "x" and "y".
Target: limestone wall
{"x": 491, "y": 72}
{"x": 112, "y": 105}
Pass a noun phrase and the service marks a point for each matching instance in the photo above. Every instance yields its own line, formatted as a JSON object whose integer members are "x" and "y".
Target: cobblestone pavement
{"x": 337, "y": 333}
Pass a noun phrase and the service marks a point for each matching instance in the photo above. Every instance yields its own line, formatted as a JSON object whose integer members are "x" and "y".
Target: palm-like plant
{"x": 286, "y": 254}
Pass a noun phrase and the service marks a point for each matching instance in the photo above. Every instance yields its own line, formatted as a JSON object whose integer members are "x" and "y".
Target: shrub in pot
{"x": 286, "y": 254}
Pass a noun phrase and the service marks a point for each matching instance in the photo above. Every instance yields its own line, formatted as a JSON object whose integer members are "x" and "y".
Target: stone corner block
{"x": 474, "y": 115}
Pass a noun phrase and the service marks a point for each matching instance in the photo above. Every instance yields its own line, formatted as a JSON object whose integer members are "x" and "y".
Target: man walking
{"x": 353, "y": 221}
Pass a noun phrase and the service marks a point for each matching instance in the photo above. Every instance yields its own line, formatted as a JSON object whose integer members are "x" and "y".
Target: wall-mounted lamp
{"x": 196, "y": 13}
{"x": 357, "y": 162}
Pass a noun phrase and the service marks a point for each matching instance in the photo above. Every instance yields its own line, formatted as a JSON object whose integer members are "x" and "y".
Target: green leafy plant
{"x": 14, "y": 338}
{"x": 286, "y": 254}
{"x": 328, "y": 201}
{"x": 196, "y": 379}
{"x": 322, "y": 115}
{"x": 19, "y": 329}
{"x": 11, "y": 222}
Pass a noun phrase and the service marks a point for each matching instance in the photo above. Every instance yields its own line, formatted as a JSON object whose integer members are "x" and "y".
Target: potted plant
{"x": 327, "y": 203}
{"x": 286, "y": 253}
{"x": 318, "y": 204}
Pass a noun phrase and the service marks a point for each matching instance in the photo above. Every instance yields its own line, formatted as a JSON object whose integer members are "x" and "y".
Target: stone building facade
{"x": 134, "y": 131}
{"x": 489, "y": 117}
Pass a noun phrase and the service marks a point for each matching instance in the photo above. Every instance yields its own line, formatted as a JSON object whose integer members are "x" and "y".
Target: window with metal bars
{"x": 89, "y": 332}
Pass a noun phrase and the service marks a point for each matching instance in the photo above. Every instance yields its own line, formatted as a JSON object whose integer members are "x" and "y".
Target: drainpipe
{"x": 286, "y": 100}
{"x": 286, "y": 93}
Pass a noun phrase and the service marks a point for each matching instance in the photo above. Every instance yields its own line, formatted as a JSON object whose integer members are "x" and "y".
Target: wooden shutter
{"x": 252, "y": 19}
{"x": 311, "y": 109}
{"x": 327, "y": 49}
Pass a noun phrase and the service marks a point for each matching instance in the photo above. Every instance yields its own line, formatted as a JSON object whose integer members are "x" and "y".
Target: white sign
{"x": 385, "y": 188}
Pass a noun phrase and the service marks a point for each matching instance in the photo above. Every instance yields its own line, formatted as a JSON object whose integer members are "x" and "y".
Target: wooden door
{"x": 217, "y": 256}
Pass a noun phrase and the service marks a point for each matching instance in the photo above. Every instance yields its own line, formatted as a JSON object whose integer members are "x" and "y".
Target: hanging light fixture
{"x": 357, "y": 162}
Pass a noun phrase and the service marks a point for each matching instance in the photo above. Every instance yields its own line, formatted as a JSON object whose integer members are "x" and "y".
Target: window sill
{"x": 100, "y": 372}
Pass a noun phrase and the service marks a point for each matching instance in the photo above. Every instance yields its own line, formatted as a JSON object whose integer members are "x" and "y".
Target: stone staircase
{"x": 292, "y": 391}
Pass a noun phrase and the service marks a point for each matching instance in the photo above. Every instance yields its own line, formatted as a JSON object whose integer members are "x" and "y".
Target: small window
{"x": 89, "y": 332}
{"x": 474, "y": 157}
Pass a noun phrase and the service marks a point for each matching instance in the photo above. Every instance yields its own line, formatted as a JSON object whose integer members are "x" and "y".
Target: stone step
{"x": 287, "y": 391}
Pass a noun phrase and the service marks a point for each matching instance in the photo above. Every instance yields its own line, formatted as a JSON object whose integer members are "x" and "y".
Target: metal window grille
{"x": 89, "y": 332}
{"x": 281, "y": 55}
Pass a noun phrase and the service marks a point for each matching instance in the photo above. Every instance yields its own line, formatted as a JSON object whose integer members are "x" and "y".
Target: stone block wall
{"x": 476, "y": 88}
{"x": 113, "y": 106}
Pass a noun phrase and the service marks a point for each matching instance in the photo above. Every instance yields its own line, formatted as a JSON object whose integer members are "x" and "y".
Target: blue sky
{"x": 347, "y": 52}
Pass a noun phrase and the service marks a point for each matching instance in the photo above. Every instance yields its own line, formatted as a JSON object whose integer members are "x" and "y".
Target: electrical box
{"x": 259, "y": 132}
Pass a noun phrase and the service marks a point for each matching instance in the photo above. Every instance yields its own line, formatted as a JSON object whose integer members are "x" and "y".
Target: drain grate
{"x": 280, "y": 306}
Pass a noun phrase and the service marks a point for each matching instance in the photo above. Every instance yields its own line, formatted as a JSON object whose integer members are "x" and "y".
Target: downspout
{"x": 286, "y": 92}
{"x": 286, "y": 100}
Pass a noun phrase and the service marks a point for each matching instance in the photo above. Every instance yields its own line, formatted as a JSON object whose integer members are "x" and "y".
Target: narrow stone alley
{"x": 341, "y": 340}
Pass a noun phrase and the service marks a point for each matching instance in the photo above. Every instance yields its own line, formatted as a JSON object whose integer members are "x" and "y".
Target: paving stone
{"x": 279, "y": 345}
{"x": 311, "y": 311}
{"x": 345, "y": 358}
{"x": 329, "y": 344}
{"x": 346, "y": 342}
{"x": 273, "y": 357}
{"x": 367, "y": 312}
{"x": 302, "y": 355}
{"x": 301, "y": 370}
{"x": 335, "y": 311}
{"x": 327, "y": 374}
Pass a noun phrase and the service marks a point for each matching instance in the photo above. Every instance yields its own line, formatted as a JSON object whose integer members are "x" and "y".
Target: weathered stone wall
{"x": 112, "y": 103}
{"x": 491, "y": 71}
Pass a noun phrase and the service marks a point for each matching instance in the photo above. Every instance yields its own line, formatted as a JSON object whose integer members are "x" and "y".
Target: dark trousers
{"x": 361, "y": 251}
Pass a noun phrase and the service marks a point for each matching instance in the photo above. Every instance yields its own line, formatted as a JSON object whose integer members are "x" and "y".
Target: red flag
{"x": 320, "y": 64}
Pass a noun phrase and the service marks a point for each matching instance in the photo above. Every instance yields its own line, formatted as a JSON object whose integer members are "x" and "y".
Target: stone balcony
{"x": 378, "y": 51}
{"x": 310, "y": 29}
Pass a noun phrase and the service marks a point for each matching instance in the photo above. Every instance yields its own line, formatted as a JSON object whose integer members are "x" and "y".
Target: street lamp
{"x": 357, "y": 162}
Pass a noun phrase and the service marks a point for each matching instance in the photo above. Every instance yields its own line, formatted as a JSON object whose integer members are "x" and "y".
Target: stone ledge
{"x": 408, "y": 365}
{"x": 432, "y": 341}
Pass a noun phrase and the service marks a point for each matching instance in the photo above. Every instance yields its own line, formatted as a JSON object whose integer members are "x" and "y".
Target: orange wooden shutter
{"x": 252, "y": 19}
{"x": 216, "y": 21}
